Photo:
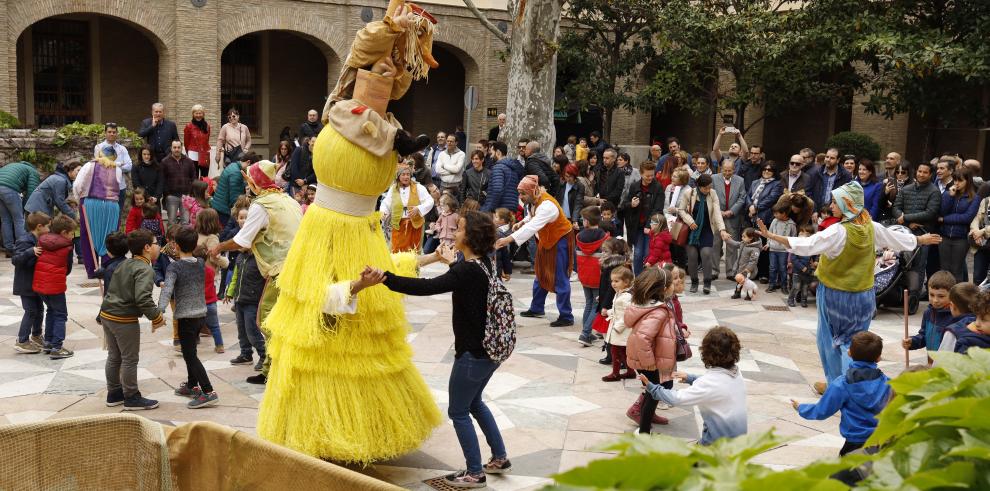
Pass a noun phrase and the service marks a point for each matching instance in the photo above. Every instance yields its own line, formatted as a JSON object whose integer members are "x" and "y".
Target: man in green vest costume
{"x": 271, "y": 224}
{"x": 846, "y": 301}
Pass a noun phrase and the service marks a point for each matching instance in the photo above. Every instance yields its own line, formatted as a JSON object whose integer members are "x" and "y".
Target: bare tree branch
{"x": 487, "y": 23}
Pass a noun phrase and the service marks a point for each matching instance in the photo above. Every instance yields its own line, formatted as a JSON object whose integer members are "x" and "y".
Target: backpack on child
{"x": 500, "y": 323}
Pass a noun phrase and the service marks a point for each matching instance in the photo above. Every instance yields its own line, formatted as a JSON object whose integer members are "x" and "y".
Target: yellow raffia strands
{"x": 344, "y": 388}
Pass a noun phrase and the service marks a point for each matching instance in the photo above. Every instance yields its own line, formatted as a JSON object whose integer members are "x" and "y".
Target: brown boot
{"x": 633, "y": 411}
{"x": 612, "y": 377}
{"x": 628, "y": 375}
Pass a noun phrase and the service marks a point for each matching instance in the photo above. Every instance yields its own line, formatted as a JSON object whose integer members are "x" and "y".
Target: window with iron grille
{"x": 61, "y": 69}
{"x": 240, "y": 71}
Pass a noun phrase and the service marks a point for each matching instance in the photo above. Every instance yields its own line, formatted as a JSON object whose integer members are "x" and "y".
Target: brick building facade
{"x": 108, "y": 60}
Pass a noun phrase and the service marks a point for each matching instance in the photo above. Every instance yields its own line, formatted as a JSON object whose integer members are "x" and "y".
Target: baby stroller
{"x": 890, "y": 282}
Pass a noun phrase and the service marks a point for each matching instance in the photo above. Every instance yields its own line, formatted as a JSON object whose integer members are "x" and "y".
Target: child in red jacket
{"x": 589, "y": 249}
{"x": 210, "y": 290}
{"x": 54, "y": 264}
{"x": 660, "y": 240}
{"x": 136, "y": 215}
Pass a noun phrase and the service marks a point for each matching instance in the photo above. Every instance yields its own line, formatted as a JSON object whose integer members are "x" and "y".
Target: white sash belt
{"x": 345, "y": 202}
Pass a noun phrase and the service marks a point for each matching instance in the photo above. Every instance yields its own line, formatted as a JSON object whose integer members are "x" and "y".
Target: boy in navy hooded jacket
{"x": 859, "y": 395}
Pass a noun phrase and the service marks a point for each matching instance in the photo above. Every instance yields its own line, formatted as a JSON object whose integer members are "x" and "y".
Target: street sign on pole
{"x": 470, "y": 103}
{"x": 471, "y": 98}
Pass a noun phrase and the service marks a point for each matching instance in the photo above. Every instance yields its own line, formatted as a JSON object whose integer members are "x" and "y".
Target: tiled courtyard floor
{"x": 549, "y": 401}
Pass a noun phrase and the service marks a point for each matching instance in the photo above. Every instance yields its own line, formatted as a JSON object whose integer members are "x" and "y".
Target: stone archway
{"x": 155, "y": 22}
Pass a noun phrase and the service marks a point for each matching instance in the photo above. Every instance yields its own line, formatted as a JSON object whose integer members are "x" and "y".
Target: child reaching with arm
{"x": 184, "y": 281}
{"x": 720, "y": 393}
{"x": 746, "y": 262}
{"x": 859, "y": 394}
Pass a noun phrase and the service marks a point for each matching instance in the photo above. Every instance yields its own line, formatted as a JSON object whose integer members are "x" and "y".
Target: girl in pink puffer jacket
{"x": 652, "y": 347}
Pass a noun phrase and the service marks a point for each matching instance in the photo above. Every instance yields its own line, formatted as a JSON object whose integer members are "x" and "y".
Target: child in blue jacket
{"x": 860, "y": 394}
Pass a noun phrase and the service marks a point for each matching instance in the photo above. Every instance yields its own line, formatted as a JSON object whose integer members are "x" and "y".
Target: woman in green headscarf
{"x": 846, "y": 301}
{"x": 403, "y": 207}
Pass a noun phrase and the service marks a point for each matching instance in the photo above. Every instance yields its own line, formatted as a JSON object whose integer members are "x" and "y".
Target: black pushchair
{"x": 890, "y": 282}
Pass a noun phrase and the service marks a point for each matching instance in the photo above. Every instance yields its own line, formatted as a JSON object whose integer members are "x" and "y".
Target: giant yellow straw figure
{"x": 342, "y": 384}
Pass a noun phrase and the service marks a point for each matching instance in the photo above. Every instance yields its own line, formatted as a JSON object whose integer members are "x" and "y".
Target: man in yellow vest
{"x": 554, "y": 251}
{"x": 271, "y": 224}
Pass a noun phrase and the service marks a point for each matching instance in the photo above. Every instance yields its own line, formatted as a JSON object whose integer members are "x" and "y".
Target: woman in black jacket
{"x": 468, "y": 282}
{"x": 147, "y": 174}
{"x": 301, "y": 167}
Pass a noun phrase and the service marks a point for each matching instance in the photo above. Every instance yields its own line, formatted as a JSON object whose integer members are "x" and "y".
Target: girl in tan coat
{"x": 652, "y": 345}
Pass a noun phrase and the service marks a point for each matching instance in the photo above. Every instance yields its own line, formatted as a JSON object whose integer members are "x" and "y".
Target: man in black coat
{"x": 158, "y": 132}
{"x": 610, "y": 181}
{"x": 311, "y": 127}
{"x": 644, "y": 198}
{"x": 538, "y": 164}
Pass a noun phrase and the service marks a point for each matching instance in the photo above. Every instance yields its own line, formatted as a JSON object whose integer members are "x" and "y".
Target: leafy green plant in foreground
{"x": 935, "y": 434}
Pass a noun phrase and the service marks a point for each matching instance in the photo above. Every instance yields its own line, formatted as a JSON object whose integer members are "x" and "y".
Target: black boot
{"x": 607, "y": 360}
{"x": 406, "y": 145}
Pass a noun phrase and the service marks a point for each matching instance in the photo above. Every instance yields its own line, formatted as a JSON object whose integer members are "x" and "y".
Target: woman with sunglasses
{"x": 899, "y": 177}
{"x": 763, "y": 194}
{"x": 234, "y": 139}
{"x": 959, "y": 206}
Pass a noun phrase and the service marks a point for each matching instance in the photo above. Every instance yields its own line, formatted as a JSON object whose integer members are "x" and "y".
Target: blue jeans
{"x": 778, "y": 268}
{"x": 430, "y": 244}
{"x": 468, "y": 378}
{"x": 55, "y": 319}
{"x": 590, "y": 310}
{"x": 33, "y": 317}
{"x": 641, "y": 250}
{"x": 916, "y": 275}
{"x": 561, "y": 287}
{"x": 11, "y": 217}
{"x": 248, "y": 333}
{"x": 213, "y": 322}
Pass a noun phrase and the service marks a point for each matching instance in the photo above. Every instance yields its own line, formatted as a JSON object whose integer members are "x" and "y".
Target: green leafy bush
{"x": 935, "y": 433}
{"x": 42, "y": 161}
{"x": 858, "y": 144}
{"x": 8, "y": 120}
{"x": 93, "y": 132}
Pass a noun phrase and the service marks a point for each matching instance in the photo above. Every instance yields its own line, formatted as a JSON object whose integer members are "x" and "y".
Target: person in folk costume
{"x": 403, "y": 208}
{"x": 98, "y": 186}
{"x": 272, "y": 221}
{"x": 333, "y": 342}
{"x": 554, "y": 252}
{"x": 845, "y": 295}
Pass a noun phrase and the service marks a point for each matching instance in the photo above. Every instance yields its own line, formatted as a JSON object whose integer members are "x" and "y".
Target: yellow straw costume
{"x": 344, "y": 387}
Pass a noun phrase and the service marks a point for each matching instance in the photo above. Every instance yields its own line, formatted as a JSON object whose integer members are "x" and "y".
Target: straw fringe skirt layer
{"x": 343, "y": 388}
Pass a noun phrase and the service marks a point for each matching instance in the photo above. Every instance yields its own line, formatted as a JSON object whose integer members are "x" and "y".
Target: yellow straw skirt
{"x": 342, "y": 388}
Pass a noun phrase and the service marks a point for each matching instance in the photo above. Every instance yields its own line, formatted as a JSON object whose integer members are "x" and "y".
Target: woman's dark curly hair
{"x": 720, "y": 348}
{"x": 479, "y": 232}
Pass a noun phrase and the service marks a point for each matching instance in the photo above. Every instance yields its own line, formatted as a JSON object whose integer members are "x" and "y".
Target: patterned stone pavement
{"x": 548, "y": 399}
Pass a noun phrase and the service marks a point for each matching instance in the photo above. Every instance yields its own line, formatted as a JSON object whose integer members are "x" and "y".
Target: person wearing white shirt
{"x": 450, "y": 166}
{"x": 555, "y": 251}
{"x": 404, "y": 206}
{"x": 845, "y": 295}
{"x": 123, "y": 158}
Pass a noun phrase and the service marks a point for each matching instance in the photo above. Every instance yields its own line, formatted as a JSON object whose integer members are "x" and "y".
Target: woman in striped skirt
{"x": 846, "y": 301}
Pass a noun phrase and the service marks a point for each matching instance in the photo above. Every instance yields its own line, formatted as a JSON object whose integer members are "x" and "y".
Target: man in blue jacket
{"x": 860, "y": 394}
{"x": 830, "y": 176}
{"x": 506, "y": 174}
